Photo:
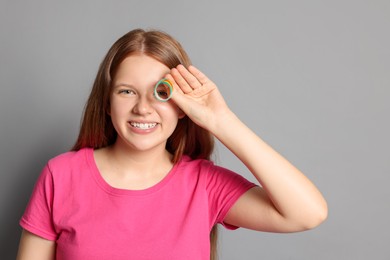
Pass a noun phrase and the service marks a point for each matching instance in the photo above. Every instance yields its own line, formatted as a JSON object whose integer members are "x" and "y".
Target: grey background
{"x": 312, "y": 78}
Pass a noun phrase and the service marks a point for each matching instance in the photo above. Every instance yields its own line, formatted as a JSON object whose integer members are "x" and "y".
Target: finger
{"x": 177, "y": 96}
{"x": 189, "y": 77}
{"x": 174, "y": 84}
{"x": 200, "y": 76}
{"x": 180, "y": 81}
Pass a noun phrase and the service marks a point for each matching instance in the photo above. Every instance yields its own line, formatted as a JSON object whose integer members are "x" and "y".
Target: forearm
{"x": 290, "y": 199}
{"x": 293, "y": 195}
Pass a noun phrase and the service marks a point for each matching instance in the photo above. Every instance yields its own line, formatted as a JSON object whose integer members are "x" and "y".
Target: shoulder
{"x": 216, "y": 176}
{"x": 70, "y": 160}
{"x": 188, "y": 164}
{"x": 70, "y": 157}
{"x": 187, "y": 160}
{"x": 206, "y": 169}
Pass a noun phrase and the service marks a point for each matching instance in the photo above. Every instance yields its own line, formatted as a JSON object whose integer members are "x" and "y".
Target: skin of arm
{"x": 32, "y": 247}
{"x": 287, "y": 201}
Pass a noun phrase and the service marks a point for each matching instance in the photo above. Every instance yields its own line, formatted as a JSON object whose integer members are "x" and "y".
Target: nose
{"x": 143, "y": 106}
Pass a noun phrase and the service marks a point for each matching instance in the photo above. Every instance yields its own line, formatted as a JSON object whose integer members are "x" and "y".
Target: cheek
{"x": 169, "y": 109}
{"x": 118, "y": 107}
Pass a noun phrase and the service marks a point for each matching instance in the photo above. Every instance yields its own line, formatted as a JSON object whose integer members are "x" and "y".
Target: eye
{"x": 163, "y": 90}
{"x": 162, "y": 93}
{"x": 126, "y": 92}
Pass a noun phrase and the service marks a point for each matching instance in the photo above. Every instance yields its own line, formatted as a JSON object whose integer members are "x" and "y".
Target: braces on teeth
{"x": 144, "y": 125}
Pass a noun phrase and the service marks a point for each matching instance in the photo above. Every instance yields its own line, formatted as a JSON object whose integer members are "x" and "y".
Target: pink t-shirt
{"x": 89, "y": 219}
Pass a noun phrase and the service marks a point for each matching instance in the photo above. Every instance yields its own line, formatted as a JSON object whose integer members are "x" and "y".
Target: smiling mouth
{"x": 143, "y": 126}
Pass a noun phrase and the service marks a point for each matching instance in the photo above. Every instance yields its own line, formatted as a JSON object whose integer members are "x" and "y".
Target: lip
{"x": 142, "y": 127}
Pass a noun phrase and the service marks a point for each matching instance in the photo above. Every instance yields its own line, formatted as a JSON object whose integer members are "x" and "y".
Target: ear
{"x": 180, "y": 113}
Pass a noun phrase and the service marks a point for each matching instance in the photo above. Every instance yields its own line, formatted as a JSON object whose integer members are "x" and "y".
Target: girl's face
{"x": 141, "y": 121}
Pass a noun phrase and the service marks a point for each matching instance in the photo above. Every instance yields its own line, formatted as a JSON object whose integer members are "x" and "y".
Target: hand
{"x": 197, "y": 96}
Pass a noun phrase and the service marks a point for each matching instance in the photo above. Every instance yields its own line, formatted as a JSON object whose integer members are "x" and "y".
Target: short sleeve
{"x": 224, "y": 188}
{"x": 37, "y": 217}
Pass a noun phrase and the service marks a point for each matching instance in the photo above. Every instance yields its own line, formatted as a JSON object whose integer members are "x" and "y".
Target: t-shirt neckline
{"x": 89, "y": 152}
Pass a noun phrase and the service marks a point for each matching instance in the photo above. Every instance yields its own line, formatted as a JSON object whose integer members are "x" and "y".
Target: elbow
{"x": 316, "y": 217}
{"x": 323, "y": 215}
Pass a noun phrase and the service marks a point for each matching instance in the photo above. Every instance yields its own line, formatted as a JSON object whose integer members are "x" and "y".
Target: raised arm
{"x": 287, "y": 201}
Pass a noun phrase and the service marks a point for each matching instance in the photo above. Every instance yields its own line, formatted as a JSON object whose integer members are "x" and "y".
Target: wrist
{"x": 225, "y": 121}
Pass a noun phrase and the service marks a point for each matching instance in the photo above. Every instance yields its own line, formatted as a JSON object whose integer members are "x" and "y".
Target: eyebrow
{"x": 123, "y": 85}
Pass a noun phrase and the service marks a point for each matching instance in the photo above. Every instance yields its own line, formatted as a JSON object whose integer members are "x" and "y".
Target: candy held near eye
{"x": 163, "y": 90}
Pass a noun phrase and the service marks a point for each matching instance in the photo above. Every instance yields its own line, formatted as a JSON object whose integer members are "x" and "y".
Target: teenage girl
{"x": 138, "y": 183}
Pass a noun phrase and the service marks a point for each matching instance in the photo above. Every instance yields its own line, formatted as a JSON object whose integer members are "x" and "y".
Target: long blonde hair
{"x": 97, "y": 130}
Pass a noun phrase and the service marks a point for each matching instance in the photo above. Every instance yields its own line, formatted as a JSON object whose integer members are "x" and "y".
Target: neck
{"x": 129, "y": 161}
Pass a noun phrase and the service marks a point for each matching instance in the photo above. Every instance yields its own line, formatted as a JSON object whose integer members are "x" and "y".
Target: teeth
{"x": 143, "y": 125}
